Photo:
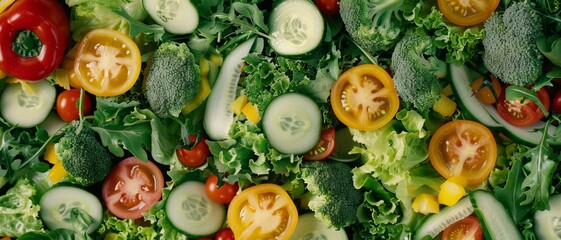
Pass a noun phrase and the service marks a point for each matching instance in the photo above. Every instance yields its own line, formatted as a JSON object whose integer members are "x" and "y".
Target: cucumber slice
{"x": 296, "y": 27}
{"x": 292, "y": 123}
{"x": 57, "y": 204}
{"x": 461, "y": 85}
{"x": 27, "y": 108}
{"x": 311, "y": 228}
{"x": 548, "y": 222}
{"x": 530, "y": 135}
{"x": 495, "y": 221}
{"x": 191, "y": 212}
{"x": 176, "y": 16}
{"x": 52, "y": 123}
{"x": 219, "y": 116}
{"x": 436, "y": 223}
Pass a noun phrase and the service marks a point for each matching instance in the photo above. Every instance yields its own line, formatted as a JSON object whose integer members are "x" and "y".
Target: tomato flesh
{"x": 522, "y": 112}
{"x": 364, "y": 97}
{"x": 325, "y": 146}
{"x": 66, "y": 105}
{"x": 132, "y": 187}
{"x": 467, "y": 12}
{"x": 463, "y": 148}
{"x": 467, "y": 228}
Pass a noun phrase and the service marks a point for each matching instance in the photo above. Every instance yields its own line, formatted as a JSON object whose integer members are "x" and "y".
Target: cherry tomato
{"x": 463, "y": 148}
{"x": 467, "y": 228}
{"x": 263, "y": 211}
{"x": 66, "y": 105}
{"x": 467, "y": 12}
{"x": 364, "y": 97}
{"x": 325, "y": 146}
{"x": 556, "y": 102}
{"x": 483, "y": 92}
{"x": 522, "y": 113}
{"x": 132, "y": 187}
{"x": 196, "y": 156}
{"x": 329, "y": 7}
{"x": 224, "y": 234}
{"x": 222, "y": 194}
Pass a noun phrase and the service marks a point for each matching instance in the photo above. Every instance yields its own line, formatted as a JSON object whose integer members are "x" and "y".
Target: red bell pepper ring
{"x": 34, "y": 35}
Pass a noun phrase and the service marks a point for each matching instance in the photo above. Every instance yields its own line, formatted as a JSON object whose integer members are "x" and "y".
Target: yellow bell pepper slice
{"x": 251, "y": 112}
{"x": 57, "y": 173}
{"x": 452, "y": 190}
{"x": 425, "y": 204}
{"x": 50, "y": 154}
{"x": 239, "y": 103}
{"x": 445, "y": 106}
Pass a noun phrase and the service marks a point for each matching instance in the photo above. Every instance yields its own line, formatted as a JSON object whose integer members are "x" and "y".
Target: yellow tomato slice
{"x": 463, "y": 148}
{"x": 467, "y": 12}
{"x": 264, "y": 211}
{"x": 364, "y": 97}
{"x": 107, "y": 62}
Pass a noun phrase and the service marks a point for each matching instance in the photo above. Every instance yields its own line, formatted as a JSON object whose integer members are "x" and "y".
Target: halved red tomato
{"x": 463, "y": 148}
{"x": 364, "y": 97}
{"x": 522, "y": 112}
{"x": 467, "y": 228}
{"x": 325, "y": 146}
{"x": 467, "y": 12}
{"x": 132, "y": 187}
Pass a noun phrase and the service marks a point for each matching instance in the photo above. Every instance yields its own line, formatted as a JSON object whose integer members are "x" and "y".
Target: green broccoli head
{"x": 82, "y": 155}
{"x": 374, "y": 24}
{"x": 417, "y": 71}
{"x": 510, "y": 46}
{"x": 172, "y": 79}
{"x": 334, "y": 199}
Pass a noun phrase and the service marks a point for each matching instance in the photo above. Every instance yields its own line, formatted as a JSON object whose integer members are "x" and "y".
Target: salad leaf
{"x": 18, "y": 150}
{"x": 123, "y": 229}
{"x": 511, "y": 194}
{"x": 18, "y": 213}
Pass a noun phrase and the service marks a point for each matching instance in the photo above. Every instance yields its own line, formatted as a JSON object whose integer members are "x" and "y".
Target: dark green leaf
{"x": 164, "y": 140}
{"x": 511, "y": 195}
{"x": 134, "y": 138}
{"x": 252, "y": 12}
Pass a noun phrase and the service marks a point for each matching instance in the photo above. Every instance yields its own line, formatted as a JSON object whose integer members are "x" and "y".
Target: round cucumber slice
{"x": 176, "y": 16}
{"x": 57, "y": 204}
{"x": 191, "y": 212}
{"x": 27, "y": 107}
{"x": 296, "y": 27}
{"x": 548, "y": 222}
{"x": 292, "y": 123}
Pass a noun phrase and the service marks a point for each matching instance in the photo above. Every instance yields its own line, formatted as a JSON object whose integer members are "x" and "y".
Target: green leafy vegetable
{"x": 18, "y": 213}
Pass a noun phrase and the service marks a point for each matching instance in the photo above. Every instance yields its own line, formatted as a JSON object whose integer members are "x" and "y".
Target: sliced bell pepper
{"x": 34, "y": 35}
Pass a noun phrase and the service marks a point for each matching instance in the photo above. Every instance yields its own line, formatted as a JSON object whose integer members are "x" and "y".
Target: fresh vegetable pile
{"x": 288, "y": 119}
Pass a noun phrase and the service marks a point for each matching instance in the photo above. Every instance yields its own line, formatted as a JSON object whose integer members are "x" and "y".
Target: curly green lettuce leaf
{"x": 122, "y": 229}
{"x": 18, "y": 213}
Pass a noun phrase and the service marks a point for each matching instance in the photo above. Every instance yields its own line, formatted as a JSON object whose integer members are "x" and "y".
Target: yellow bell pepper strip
{"x": 251, "y": 112}
{"x": 5, "y": 4}
{"x": 425, "y": 204}
{"x": 239, "y": 103}
{"x": 34, "y": 35}
{"x": 57, "y": 172}
{"x": 445, "y": 106}
{"x": 50, "y": 154}
{"x": 452, "y": 190}
{"x": 204, "y": 89}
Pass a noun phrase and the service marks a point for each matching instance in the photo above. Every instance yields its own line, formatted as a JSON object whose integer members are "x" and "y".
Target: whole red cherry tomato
{"x": 556, "y": 101}
{"x": 224, "y": 234}
{"x": 66, "y": 105}
{"x": 329, "y": 7}
{"x": 196, "y": 156}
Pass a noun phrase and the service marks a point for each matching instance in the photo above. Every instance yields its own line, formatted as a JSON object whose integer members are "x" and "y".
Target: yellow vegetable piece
{"x": 251, "y": 112}
{"x": 2, "y": 75}
{"x": 199, "y": 98}
{"x": 425, "y": 204}
{"x": 62, "y": 78}
{"x": 5, "y": 4}
{"x": 217, "y": 59}
{"x": 204, "y": 66}
{"x": 50, "y": 154}
{"x": 459, "y": 180}
{"x": 450, "y": 192}
{"x": 447, "y": 91}
{"x": 239, "y": 103}
{"x": 57, "y": 173}
{"x": 445, "y": 106}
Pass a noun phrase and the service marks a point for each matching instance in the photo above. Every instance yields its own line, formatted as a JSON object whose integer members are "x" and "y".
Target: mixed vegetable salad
{"x": 289, "y": 119}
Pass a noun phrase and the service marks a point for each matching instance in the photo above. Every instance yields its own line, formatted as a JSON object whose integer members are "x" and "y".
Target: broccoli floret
{"x": 334, "y": 199}
{"x": 510, "y": 46}
{"x": 417, "y": 71}
{"x": 172, "y": 79}
{"x": 82, "y": 155}
{"x": 375, "y": 24}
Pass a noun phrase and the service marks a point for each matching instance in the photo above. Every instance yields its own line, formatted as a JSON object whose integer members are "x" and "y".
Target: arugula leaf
{"x": 18, "y": 149}
{"x": 164, "y": 140}
{"x": 513, "y": 93}
{"x": 511, "y": 195}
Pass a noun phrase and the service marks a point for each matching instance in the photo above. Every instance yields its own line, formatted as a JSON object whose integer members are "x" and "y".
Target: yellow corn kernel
{"x": 57, "y": 173}
{"x": 50, "y": 154}
{"x": 425, "y": 204}
{"x": 5, "y": 4}
{"x": 447, "y": 91}
{"x": 251, "y": 112}
{"x": 445, "y": 106}
{"x": 450, "y": 192}
{"x": 239, "y": 103}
